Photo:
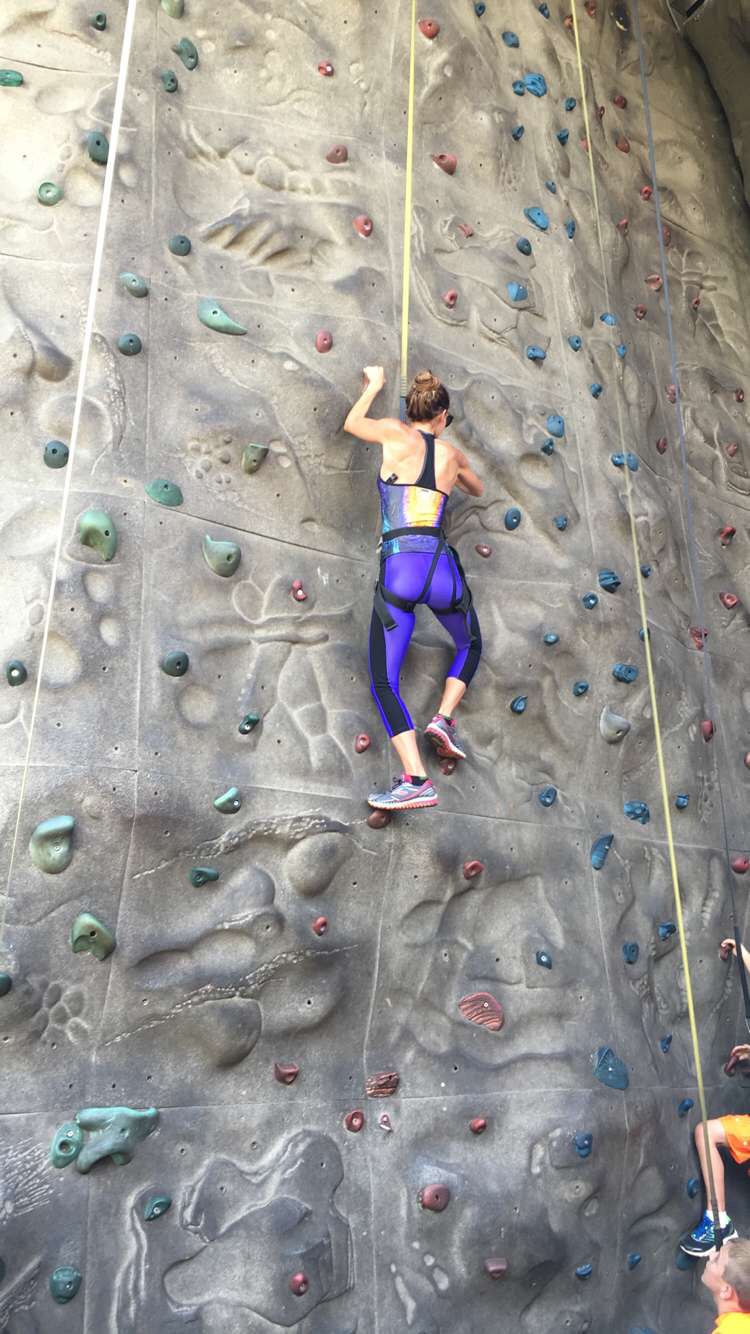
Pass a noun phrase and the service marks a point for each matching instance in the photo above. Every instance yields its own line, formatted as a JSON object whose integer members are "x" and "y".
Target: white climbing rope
{"x": 109, "y": 174}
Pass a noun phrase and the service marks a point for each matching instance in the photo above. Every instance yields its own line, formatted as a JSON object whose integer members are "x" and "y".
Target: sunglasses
{"x": 449, "y": 419}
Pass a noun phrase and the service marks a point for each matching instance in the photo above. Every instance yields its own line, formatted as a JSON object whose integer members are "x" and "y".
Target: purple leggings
{"x": 404, "y": 574}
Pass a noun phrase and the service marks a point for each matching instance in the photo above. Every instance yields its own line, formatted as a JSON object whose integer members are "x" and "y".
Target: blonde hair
{"x": 737, "y": 1270}
{"x": 426, "y": 397}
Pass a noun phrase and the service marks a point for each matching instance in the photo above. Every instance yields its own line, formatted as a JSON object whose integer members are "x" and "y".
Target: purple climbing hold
{"x": 447, "y": 162}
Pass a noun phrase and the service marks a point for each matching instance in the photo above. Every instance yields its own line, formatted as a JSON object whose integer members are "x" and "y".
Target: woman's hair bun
{"x": 426, "y": 397}
{"x": 426, "y": 378}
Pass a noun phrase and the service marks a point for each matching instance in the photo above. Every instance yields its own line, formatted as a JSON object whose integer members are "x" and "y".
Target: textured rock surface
{"x": 210, "y": 986}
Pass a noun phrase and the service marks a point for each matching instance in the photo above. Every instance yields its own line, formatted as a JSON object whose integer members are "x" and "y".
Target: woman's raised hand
{"x": 375, "y": 376}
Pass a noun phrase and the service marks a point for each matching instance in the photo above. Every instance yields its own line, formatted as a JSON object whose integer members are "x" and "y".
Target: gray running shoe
{"x": 444, "y": 738}
{"x": 404, "y": 796}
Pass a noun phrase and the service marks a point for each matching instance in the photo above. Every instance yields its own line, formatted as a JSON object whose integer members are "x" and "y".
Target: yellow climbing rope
{"x": 647, "y": 646}
{"x": 406, "y": 263}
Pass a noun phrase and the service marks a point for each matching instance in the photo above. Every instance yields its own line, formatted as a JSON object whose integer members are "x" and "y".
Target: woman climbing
{"x": 416, "y": 477}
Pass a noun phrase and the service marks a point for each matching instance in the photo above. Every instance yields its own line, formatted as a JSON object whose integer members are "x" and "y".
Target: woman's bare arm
{"x": 467, "y": 479}
{"x": 373, "y": 429}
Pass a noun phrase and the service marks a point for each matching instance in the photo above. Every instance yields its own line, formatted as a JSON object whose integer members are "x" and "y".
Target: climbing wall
{"x": 266, "y": 1064}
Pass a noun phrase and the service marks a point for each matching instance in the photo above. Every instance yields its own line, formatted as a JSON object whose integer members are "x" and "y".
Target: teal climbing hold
{"x": 535, "y": 84}
{"x": 551, "y": 638}
{"x": 180, "y": 245}
{"x": 6, "y": 984}
{"x": 479, "y": 8}
{"x": 49, "y": 193}
{"x": 64, "y": 1283}
{"x": 133, "y": 283}
{"x": 666, "y": 929}
{"x": 538, "y": 217}
{"x": 249, "y": 721}
{"x": 609, "y": 1069}
{"x": 202, "y": 875}
{"x": 570, "y": 104}
{"x": 164, "y": 492}
{"x": 229, "y": 802}
{"x": 518, "y": 705}
{"x": 156, "y": 1206}
{"x": 222, "y": 557}
{"x": 637, "y": 810}
{"x": 90, "y": 936}
{"x": 175, "y": 663}
{"x": 129, "y": 344}
{"x": 51, "y": 843}
{"x": 517, "y": 291}
{"x": 114, "y": 1133}
{"x": 576, "y": 342}
{"x": 175, "y": 8}
{"x": 96, "y": 530}
{"x": 535, "y": 353}
{"x": 169, "y": 80}
{"x": 66, "y": 1145}
{"x": 524, "y": 245}
{"x": 98, "y": 146}
{"x": 630, "y": 951}
{"x": 253, "y": 456}
{"x": 187, "y": 52}
{"x": 215, "y": 317}
{"x": 556, "y": 425}
{"x": 56, "y": 454}
{"x": 99, "y": 20}
{"x": 599, "y": 849}
{"x": 10, "y": 78}
{"x": 15, "y": 672}
{"x": 510, "y": 39}
{"x": 512, "y": 518}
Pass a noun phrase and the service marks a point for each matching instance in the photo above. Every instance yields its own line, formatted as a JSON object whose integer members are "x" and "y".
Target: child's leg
{"x": 716, "y": 1136}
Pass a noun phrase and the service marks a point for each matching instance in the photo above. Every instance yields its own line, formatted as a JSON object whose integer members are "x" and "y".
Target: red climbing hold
{"x": 640, "y": 312}
{"x": 620, "y": 101}
{"x": 731, "y": 449}
{"x": 482, "y": 1008}
{"x": 623, "y": 144}
{"x": 472, "y": 869}
{"x": 726, "y": 535}
{"x": 299, "y": 1283}
{"x": 568, "y": 21}
{"x": 661, "y": 445}
{"x": 671, "y": 392}
{"x": 354, "y": 1121}
{"x": 483, "y": 550}
{"x": 729, "y": 600}
{"x": 339, "y": 153}
{"x": 379, "y": 819}
{"x": 646, "y": 192}
{"x": 622, "y": 226}
{"x": 381, "y": 1086}
{"x": 450, "y": 298}
{"x": 435, "y": 1198}
{"x": 466, "y": 229}
{"x": 446, "y": 162}
{"x": 362, "y": 743}
{"x": 496, "y": 1266}
{"x": 741, "y": 865}
{"x": 324, "y": 341}
{"x": 385, "y": 1123}
{"x": 429, "y": 28}
{"x": 699, "y": 635}
{"x": 320, "y": 926}
{"x": 666, "y": 232}
{"x": 707, "y": 729}
{"x": 285, "y": 1072}
{"x": 363, "y": 224}
{"x": 299, "y": 595}
{"x": 600, "y": 112}
{"x": 695, "y": 302}
{"x": 325, "y": 68}
{"x": 447, "y": 766}
{"x": 478, "y": 1125}
{"x": 655, "y": 282}
{"x": 739, "y": 395}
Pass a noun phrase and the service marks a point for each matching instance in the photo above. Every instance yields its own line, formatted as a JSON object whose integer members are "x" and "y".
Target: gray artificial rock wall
{"x": 211, "y": 985}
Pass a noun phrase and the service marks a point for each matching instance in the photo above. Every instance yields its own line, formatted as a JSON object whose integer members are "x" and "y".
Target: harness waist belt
{"x": 383, "y": 596}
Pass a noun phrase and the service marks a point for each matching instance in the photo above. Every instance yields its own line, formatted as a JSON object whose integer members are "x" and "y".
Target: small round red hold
{"x": 671, "y": 392}
{"x": 739, "y": 395}
{"x": 640, "y": 312}
{"x": 362, "y": 743}
{"x": 568, "y": 22}
{"x": 729, "y": 600}
{"x": 707, "y": 729}
{"x": 622, "y": 226}
{"x": 619, "y": 101}
{"x": 323, "y": 341}
{"x": 496, "y": 1266}
{"x": 473, "y": 869}
{"x": 339, "y": 153}
{"x": 447, "y": 766}
{"x": 325, "y": 68}
{"x": 726, "y": 535}
{"x": 299, "y": 595}
{"x": 731, "y": 449}
{"x": 478, "y": 1125}
{"x": 320, "y": 926}
{"x": 695, "y": 303}
{"x": 354, "y": 1121}
{"x": 363, "y": 224}
{"x": 429, "y": 28}
{"x": 741, "y": 865}
{"x": 699, "y": 635}
{"x": 623, "y": 144}
{"x": 435, "y": 1198}
{"x": 299, "y": 1283}
{"x": 661, "y": 445}
{"x": 483, "y": 550}
{"x": 654, "y": 281}
{"x": 450, "y": 298}
{"x": 379, "y": 819}
{"x": 285, "y": 1072}
{"x": 646, "y": 192}
{"x": 466, "y": 229}
{"x": 447, "y": 162}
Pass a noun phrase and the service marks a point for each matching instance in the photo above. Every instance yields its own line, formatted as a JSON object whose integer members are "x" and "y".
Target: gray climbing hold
{"x": 49, "y": 193}
{"x": 512, "y": 519}
{"x": 580, "y": 688}
{"x": 156, "y": 1206}
{"x": 535, "y": 84}
{"x": 544, "y": 959}
{"x": 129, "y": 344}
{"x": 510, "y": 39}
{"x": 98, "y": 146}
{"x": 625, "y": 672}
{"x": 164, "y": 492}
{"x": 637, "y": 810}
{"x": 175, "y": 8}
{"x": 547, "y": 796}
{"x": 517, "y": 291}
{"x": 222, "y": 557}
{"x": 524, "y": 245}
{"x": 535, "y": 353}
{"x": 179, "y": 244}
{"x": 518, "y": 705}
{"x": 10, "y": 78}
{"x": 630, "y": 951}
{"x": 64, "y": 1283}
{"x": 609, "y": 1069}
{"x": 114, "y": 1133}
{"x": 169, "y": 80}
{"x": 253, "y": 456}
{"x": 66, "y": 1145}
{"x": 599, "y": 849}
{"x": 538, "y": 217}
{"x": 15, "y": 672}
{"x": 681, "y": 801}
{"x": 90, "y": 936}
{"x": 133, "y": 283}
{"x": 576, "y": 342}
{"x": 56, "y": 454}
{"x": 203, "y": 875}
{"x": 556, "y": 425}
{"x": 187, "y": 52}
{"x": 96, "y": 530}
{"x": 612, "y": 727}
{"x": 215, "y": 317}
{"x": 51, "y": 844}
{"x": 229, "y": 802}
{"x": 175, "y": 663}
{"x": 609, "y": 581}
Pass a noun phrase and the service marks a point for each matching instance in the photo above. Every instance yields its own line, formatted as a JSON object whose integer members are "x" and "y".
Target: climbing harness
{"x": 459, "y": 602}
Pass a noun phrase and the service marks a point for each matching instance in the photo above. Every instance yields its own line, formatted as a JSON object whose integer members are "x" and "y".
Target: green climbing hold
{"x": 115, "y": 1131}
{"x": 66, "y": 1145}
{"x": 6, "y": 983}
{"x": 215, "y": 317}
{"x": 49, "y": 193}
{"x": 98, "y": 146}
{"x": 164, "y": 492}
{"x": 249, "y": 721}
{"x": 15, "y": 672}
{"x": 99, "y": 20}
{"x": 187, "y": 52}
{"x": 56, "y": 454}
{"x": 133, "y": 283}
{"x": 253, "y": 456}
{"x": 175, "y": 663}
{"x": 179, "y": 244}
{"x": 129, "y": 344}
{"x": 96, "y": 530}
{"x": 222, "y": 557}
{"x": 169, "y": 80}
{"x": 90, "y": 936}
{"x": 156, "y": 1206}
{"x": 51, "y": 844}
{"x": 229, "y": 802}
{"x": 175, "y": 8}
{"x": 10, "y": 78}
{"x": 202, "y": 875}
{"x": 64, "y": 1283}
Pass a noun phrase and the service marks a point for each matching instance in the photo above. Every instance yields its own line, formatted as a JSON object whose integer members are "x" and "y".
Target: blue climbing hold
{"x": 665, "y": 1043}
{"x": 599, "y": 849}
{"x": 584, "y": 1271}
{"x": 556, "y": 426}
{"x": 693, "y": 1186}
{"x": 524, "y": 245}
{"x": 630, "y": 951}
{"x": 519, "y": 87}
{"x": 548, "y": 447}
{"x": 517, "y": 291}
{"x": 543, "y": 10}
{"x": 681, "y": 801}
{"x": 596, "y": 389}
{"x": 510, "y": 39}
{"x": 563, "y": 136}
{"x": 517, "y": 133}
{"x": 479, "y": 9}
{"x": 551, "y": 638}
{"x": 590, "y": 600}
{"x": 620, "y": 460}
{"x": 646, "y": 570}
{"x": 580, "y": 688}
{"x": 609, "y": 581}
{"x": 584, "y": 1143}
{"x": 608, "y": 318}
{"x": 535, "y": 353}
{"x": 512, "y": 519}
{"x": 561, "y": 522}
{"x": 518, "y": 705}
{"x": 550, "y": 185}
{"x": 576, "y": 342}
{"x": 666, "y": 929}
{"x": 621, "y": 349}
{"x": 609, "y": 1069}
{"x": 570, "y": 104}
{"x": 538, "y": 217}
{"x": 637, "y": 810}
{"x": 544, "y": 959}
{"x": 634, "y": 1259}
{"x": 685, "y": 1106}
{"x": 535, "y": 84}
{"x": 570, "y": 228}
{"x": 641, "y": 635}
{"x": 625, "y": 672}
{"x": 548, "y": 796}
